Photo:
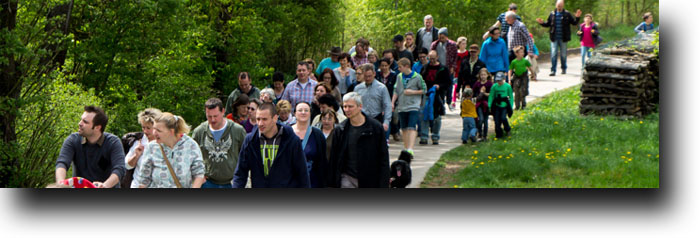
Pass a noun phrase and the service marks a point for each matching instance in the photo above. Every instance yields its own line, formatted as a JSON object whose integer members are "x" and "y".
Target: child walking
{"x": 482, "y": 87}
{"x": 518, "y": 72}
{"x": 500, "y": 101}
{"x": 468, "y": 115}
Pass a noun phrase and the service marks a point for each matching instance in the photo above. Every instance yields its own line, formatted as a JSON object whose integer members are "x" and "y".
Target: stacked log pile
{"x": 620, "y": 81}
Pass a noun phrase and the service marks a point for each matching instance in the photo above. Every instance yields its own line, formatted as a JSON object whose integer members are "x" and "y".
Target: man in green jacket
{"x": 220, "y": 140}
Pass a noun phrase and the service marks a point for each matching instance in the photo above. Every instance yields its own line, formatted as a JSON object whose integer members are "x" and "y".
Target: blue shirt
{"x": 326, "y": 63}
{"x": 644, "y": 27}
{"x": 495, "y": 55}
{"x": 218, "y": 133}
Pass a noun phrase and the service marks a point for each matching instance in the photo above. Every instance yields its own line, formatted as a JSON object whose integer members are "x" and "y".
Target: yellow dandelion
{"x": 648, "y": 155}
{"x": 641, "y": 122}
{"x": 556, "y": 123}
{"x": 522, "y": 151}
{"x": 629, "y": 152}
{"x": 490, "y": 157}
{"x": 606, "y": 149}
{"x": 622, "y": 156}
{"x": 568, "y": 150}
{"x": 476, "y": 152}
{"x": 602, "y": 118}
{"x": 477, "y": 166}
{"x": 481, "y": 163}
{"x": 564, "y": 155}
{"x": 456, "y": 186}
{"x": 500, "y": 156}
{"x": 657, "y": 156}
{"x": 530, "y": 154}
{"x": 473, "y": 163}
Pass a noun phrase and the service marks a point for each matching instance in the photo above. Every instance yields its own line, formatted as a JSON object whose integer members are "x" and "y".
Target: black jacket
{"x": 419, "y": 40}
{"x": 467, "y": 76}
{"x": 442, "y": 79}
{"x": 373, "y": 165}
{"x": 568, "y": 20}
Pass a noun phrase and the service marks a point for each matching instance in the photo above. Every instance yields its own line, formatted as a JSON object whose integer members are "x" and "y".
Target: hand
{"x": 531, "y": 54}
{"x": 386, "y": 127}
{"x": 437, "y": 86}
{"x": 579, "y": 32}
{"x": 99, "y": 184}
{"x": 578, "y": 12}
{"x": 483, "y": 89}
{"x": 139, "y": 150}
{"x": 592, "y": 30}
{"x": 539, "y": 20}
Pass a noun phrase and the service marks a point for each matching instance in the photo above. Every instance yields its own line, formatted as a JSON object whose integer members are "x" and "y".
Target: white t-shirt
{"x": 427, "y": 39}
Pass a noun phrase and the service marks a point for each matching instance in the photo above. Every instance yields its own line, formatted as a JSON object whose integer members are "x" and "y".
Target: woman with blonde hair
{"x": 147, "y": 119}
{"x": 284, "y": 111}
{"x": 175, "y": 160}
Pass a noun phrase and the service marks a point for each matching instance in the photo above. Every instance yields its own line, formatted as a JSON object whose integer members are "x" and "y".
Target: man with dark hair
{"x": 302, "y": 88}
{"x": 359, "y": 57}
{"x": 273, "y": 155}
{"x": 97, "y": 156}
{"x": 389, "y": 54}
{"x": 469, "y": 70}
{"x": 422, "y": 60}
{"x": 220, "y": 140}
{"x": 244, "y": 86}
{"x": 401, "y": 51}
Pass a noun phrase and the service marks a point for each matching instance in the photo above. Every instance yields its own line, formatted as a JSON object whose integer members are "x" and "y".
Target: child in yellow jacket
{"x": 468, "y": 116}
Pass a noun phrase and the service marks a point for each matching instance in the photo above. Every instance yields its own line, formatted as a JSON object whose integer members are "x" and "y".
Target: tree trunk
{"x": 10, "y": 87}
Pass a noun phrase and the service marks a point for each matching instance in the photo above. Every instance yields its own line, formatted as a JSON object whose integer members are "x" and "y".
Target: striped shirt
{"x": 296, "y": 92}
{"x": 558, "y": 19}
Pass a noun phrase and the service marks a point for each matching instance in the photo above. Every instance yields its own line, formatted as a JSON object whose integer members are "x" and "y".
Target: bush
{"x": 43, "y": 125}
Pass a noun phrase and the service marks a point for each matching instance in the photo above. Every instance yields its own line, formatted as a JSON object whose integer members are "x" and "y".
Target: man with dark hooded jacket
{"x": 272, "y": 154}
{"x": 359, "y": 154}
{"x": 434, "y": 74}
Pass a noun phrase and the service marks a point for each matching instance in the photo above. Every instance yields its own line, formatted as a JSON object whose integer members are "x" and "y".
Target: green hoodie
{"x": 220, "y": 158}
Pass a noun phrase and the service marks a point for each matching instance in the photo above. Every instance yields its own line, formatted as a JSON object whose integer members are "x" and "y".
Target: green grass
{"x": 551, "y": 145}
{"x": 611, "y": 34}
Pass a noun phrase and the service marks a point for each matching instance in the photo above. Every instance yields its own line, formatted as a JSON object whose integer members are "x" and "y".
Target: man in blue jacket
{"x": 272, "y": 154}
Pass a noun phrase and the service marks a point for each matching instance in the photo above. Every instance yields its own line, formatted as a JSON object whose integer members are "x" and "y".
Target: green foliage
{"x": 42, "y": 127}
{"x": 553, "y": 146}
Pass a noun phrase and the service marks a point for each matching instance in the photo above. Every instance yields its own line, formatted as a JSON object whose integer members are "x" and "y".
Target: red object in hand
{"x": 78, "y": 182}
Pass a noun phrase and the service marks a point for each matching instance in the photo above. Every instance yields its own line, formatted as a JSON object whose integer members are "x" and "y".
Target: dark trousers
{"x": 501, "y": 120}
{"x": 482, "y": 125}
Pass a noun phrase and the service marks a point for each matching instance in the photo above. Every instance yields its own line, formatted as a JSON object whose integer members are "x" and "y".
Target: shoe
{"x": 464, "y": 142}
{"x": 507, "y": 134}
{"x": 396, "y": 137}
{"x": 480, "y": 139}
{"x": 423, "y": 142}
{"x": 473, "y": 139}
{"x": 563, "y": 71}
{"x": 552, "y": 73}
{"x": 435, "y": 142}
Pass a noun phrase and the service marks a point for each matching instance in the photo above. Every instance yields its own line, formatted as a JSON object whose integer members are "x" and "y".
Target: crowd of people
{"x": 296, "y": 135}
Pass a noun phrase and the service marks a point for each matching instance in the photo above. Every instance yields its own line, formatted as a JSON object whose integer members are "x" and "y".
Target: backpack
{"x": 128, "y": 141}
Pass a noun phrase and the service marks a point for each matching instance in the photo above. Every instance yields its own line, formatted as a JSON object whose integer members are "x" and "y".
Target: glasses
{"x": 251, "y": 109}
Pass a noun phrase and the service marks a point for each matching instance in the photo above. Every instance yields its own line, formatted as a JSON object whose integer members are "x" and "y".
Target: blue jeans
{"x": 468, "y": 128}
{"x": 209, "y": 184}
{"x": 500, "y": 118}
{"x": 408, "y": 120}
{"x": 585, "y": 51}
{"x": 558, "y": 48}
{"x": 433, "y": 126}
{"x": 483, "y": 127}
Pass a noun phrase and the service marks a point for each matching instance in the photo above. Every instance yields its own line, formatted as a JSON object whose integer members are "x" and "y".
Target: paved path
{"x": 451, "y": 132}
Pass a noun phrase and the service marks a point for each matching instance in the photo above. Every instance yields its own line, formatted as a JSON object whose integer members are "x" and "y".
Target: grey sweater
{"x": 407, "y": 103}
{"x": 94, "y": 162}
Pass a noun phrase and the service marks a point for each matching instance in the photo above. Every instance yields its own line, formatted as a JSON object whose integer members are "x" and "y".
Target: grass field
{"x": 552, "y": 146}
{"x": 611, "y": 34}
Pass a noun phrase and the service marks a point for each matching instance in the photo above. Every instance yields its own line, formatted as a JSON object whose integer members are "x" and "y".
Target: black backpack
{"x": 128, "y": 140}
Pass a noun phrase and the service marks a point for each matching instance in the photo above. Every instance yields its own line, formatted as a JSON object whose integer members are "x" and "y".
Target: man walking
{"x": 437, "y": 75}
{"x": 96, "y": 155}
{"x": 447, "y": 55}
{"x": 220, "y": 141}
{"x": 359, "y": 154}
{"x": 375, "y": 95}
{"x": 244, "y": 87}
{"x": 426, "y": 35}
{"x": 272, "y": 154}
{"x": 302, "y": 88}
{"x": 559, "y": 33}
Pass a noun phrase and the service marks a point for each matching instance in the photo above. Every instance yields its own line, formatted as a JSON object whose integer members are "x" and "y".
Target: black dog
{"x": 401, "y": 170}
